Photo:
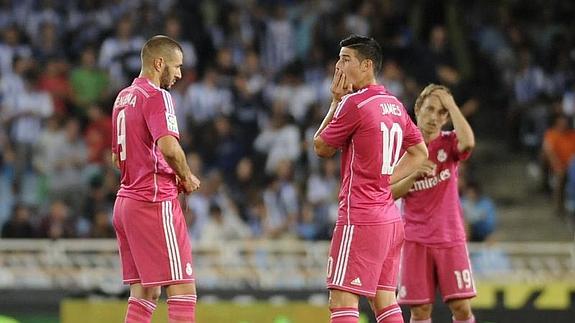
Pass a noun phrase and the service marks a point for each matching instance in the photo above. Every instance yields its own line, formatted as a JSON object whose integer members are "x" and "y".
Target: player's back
{"x": 142, "y": 114}
{"x": 381, "y": 130}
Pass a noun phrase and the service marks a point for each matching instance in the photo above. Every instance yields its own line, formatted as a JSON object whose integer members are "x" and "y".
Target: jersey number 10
{"x": 392, "y": 139}
{"x": 121, "y": 130}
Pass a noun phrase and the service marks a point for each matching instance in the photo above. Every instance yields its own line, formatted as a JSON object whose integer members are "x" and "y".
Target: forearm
{"x": 327, "y": 118}
{"x": 413, "y": 158}
{"x": 462, "y": 128}
{"x": 177, "y": 161}
{"x": 401, "y": 188}
{"x": 406, "y": 166}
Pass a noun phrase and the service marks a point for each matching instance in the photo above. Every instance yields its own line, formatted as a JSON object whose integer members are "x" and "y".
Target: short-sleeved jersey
{"x": 372, "y": 128}
{"x": 142, "y": 114}
{"x": 432, "y": 211}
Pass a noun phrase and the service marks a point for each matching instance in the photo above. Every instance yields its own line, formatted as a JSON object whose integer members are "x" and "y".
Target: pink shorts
{"x": 423, "y": 268}
{"x": 365, "y": 258}
{"x": 153, "y": 241}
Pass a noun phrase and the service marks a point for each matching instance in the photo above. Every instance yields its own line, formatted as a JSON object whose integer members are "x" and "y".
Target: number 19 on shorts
{"x": 463, "y": 277}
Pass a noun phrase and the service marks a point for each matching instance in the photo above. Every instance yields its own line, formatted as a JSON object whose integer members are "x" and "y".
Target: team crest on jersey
{"x": 441, "y": 156}
{"x": 402, "y": 292}
{"x": 172, "y": 122}
{"x": 189, "y": 270}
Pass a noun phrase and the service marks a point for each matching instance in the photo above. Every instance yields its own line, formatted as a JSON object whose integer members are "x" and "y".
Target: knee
{"x": 339, "y": 299}
{"x": 421, "y": 312}
{"x": 371, "y": 302}
{"x": 152, "y": 294}
{"x": 460, "y": 308}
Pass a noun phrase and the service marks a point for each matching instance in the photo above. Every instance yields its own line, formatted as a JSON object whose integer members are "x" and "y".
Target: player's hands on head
{"x": 426, "y": 169}
{"x": 339, "y": 85}
{"x": 446, "y": 99}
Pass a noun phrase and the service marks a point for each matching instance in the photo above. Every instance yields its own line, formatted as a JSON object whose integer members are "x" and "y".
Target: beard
{"x": 165, "y": 82}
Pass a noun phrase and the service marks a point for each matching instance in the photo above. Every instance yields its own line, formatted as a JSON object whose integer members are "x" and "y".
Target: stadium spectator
{"x": 119, "y": 54}
{"x": 281, "y": 200}
{"x": 89, "y": 83}
{"x": 55, "y": 81}
{"x": 58, "y": 223}
{"x": 24, "y": 108}
{"x": 279, "y": 140}
{"x": 20, "y": 224}
{"x": 12, "y": 46}
{"x": 101, "y": 227}
{"x": 243, "y": 185}
{"x": 222, "y": 227}
{"x": 207, "y": 99}
{"x": 65, "y": 174}
{"x": 98, "y": 135}
{"x": 322, "y": 189}
{"x": 558, "y": 150}
{"x": 479, "y": 212}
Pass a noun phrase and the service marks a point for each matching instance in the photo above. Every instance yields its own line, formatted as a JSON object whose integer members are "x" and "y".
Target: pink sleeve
{"x": 160, "y": 116}
{"x": 345, "y": 120}
{"x": 411, "y": 134}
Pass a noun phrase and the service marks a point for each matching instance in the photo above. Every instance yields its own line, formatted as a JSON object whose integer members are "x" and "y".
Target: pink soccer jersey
{"x": 431, "y": 209}
{"x": 142, "y": 114}
{"x": 372, "y": 128}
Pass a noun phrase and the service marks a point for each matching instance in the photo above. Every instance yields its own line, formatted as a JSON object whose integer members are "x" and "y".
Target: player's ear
{"x": 158, "y": 63}
{"x": 366, "y": 64}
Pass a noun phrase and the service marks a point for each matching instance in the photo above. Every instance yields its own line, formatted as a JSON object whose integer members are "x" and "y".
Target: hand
{"x": 446, "y": 99}
{"x": 426, "y": 169}
{"x": 339, "y": 88}
{"x": 188, "y": 185}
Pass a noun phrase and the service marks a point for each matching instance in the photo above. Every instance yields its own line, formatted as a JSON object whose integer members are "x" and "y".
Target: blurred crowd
{"x": 255, "y": 88}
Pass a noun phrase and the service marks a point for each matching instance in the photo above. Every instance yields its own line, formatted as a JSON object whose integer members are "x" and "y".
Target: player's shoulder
{"x": 147, "y": 89}
{"x": 354, "y": 98}
{"x": 448, "y": 136}
{"x": 349, "y": 101}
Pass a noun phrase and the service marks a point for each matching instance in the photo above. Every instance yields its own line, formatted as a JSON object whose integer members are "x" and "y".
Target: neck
{"x": 151, "y": 76}
{"x": 366, "y": 82}
{"x": 429, "y": 136}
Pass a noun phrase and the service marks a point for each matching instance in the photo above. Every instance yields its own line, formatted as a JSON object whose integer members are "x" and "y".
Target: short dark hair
{"x": 159, "y": 43}
{"x": 367, "y": 48}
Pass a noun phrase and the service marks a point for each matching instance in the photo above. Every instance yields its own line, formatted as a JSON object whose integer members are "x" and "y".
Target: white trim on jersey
{"x": 168, "y": 102}
{"x": 171, "y": 241}
{"x": 155, "y": 171}
{"x": 366, "y": 101}
{"x": 144, "y": 93}
{"x": 350, "y": 183}
{"x": 340, "y": 105}
{"x": 343, "y": 255}
{"x": 153, "y": 85}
